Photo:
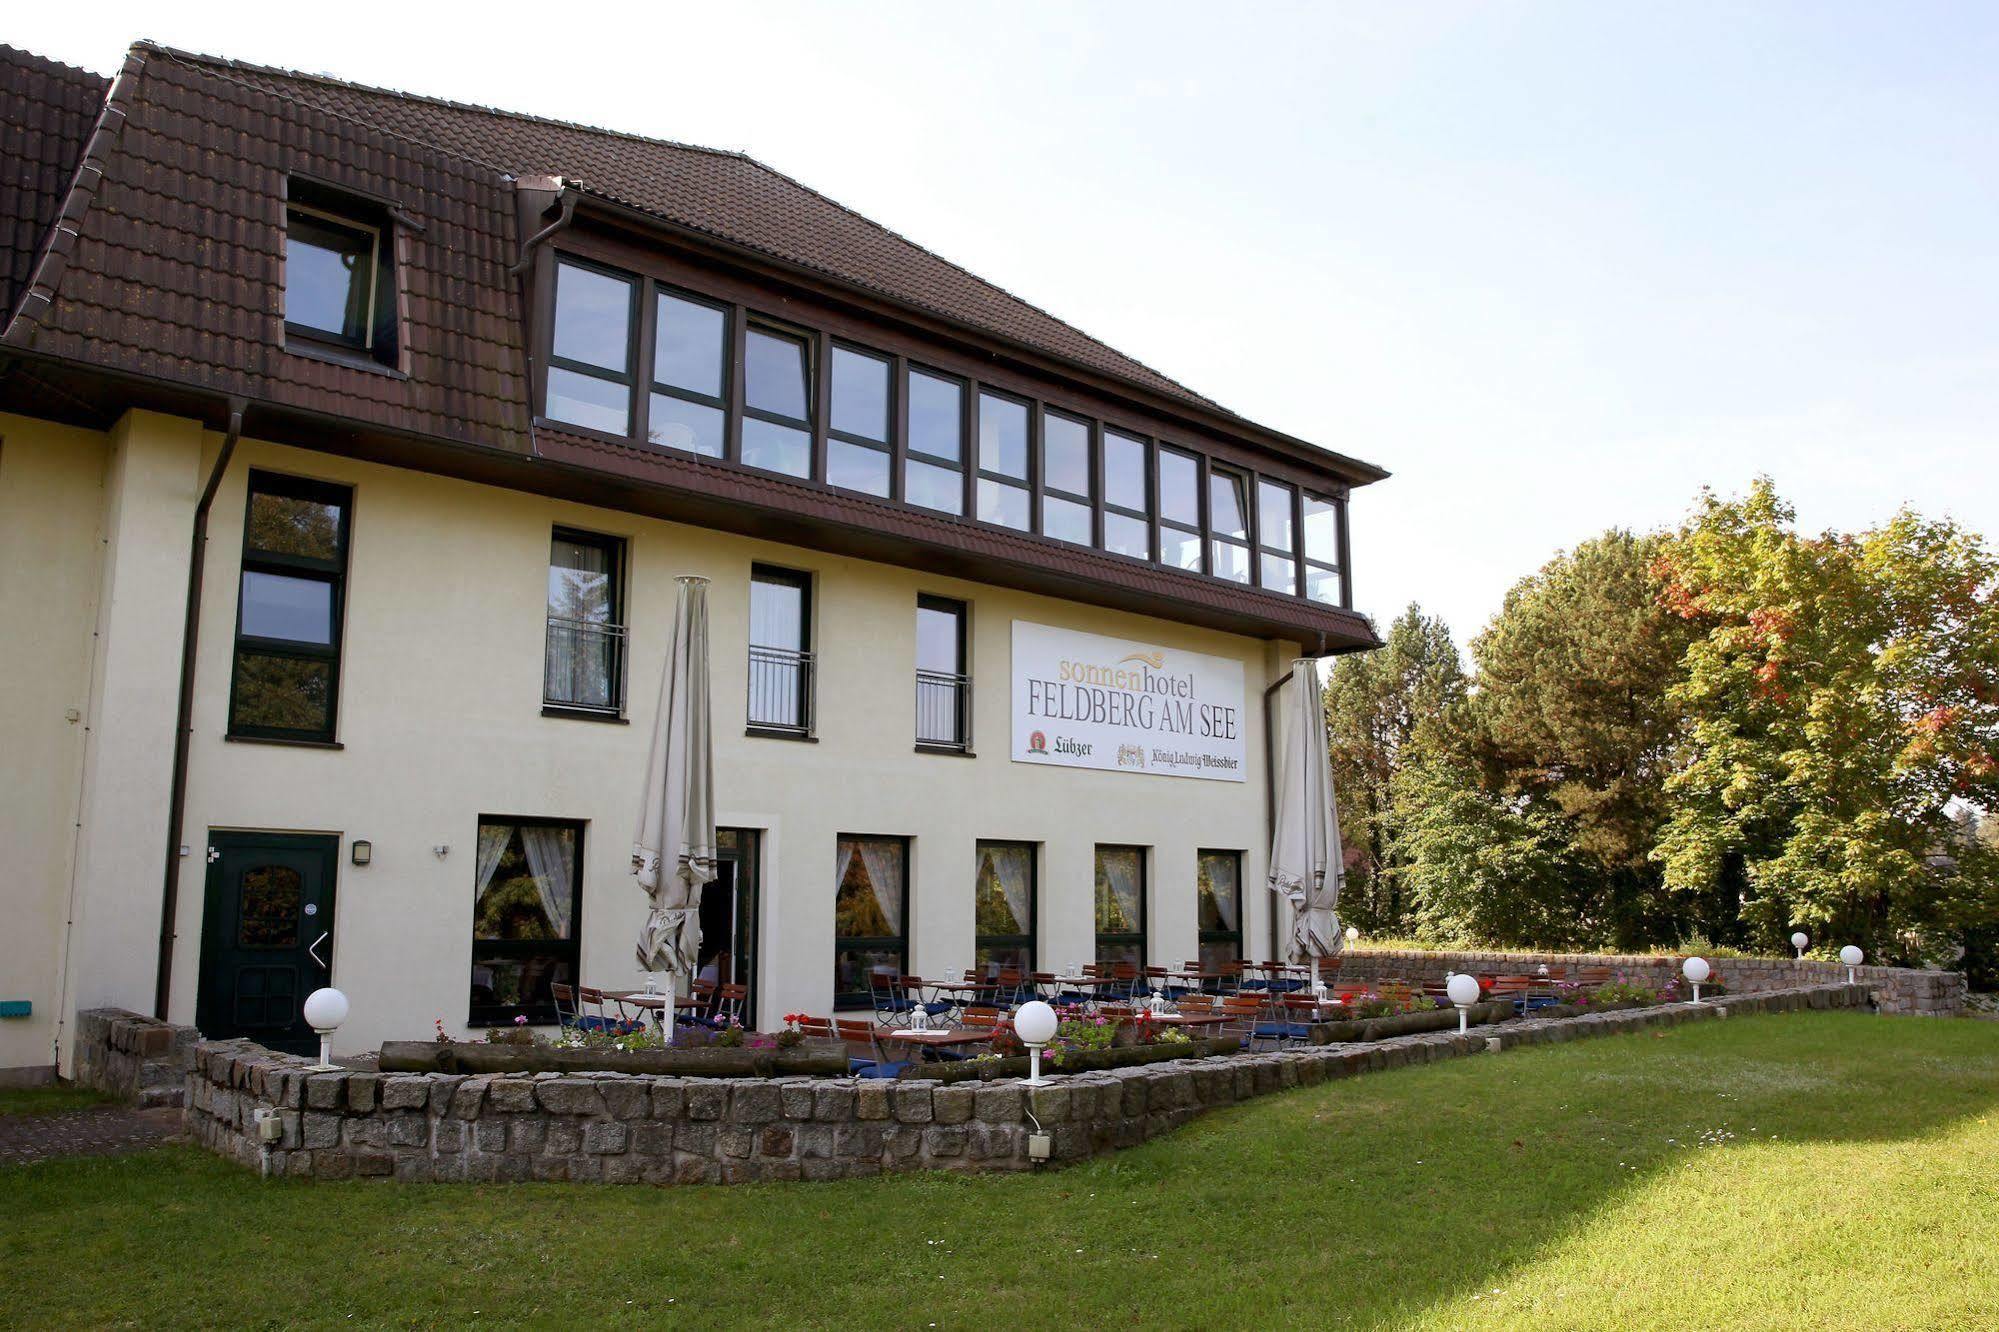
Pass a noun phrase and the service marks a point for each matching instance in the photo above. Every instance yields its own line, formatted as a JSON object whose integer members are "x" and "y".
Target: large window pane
{"x": 288, "y": 525}
{"x": 1003, "y": 504}
{"x": 1322, "y": 585}
{"x": 860, "y": 394}
{"x": 779, "y": 684}
{"x": 273, "y": 693}
{"x": 1120, "y": 905}
{"x": 777, "y": 613}
{"x": 1322, "y": 531}
{"x": 1179, "y": 488}
{"x": 1181, "y": 550}
{"x": 871, "y": 880}
{"x": 940, "y": 636}
{"x": 1124, "y": 472}
{"x": 937, "y": 418}
{"x": 1002, "y": 436}
{"x": 694, "y": 427}
{"x": 1065, "y": 520}
{"x": 1065, "y": 455}
{"x": 297, "y": 609}
{"x": 583, "y": 660}
{"x": 526, "y": 895}
{"x": 689, "y": 345}
{"x": 1227, "y": 515}
{"x": 579, "y": 579}
{"x": 856, "y": 467}
{"x": 593, "y": 318}
{"x": 1127, "y": 536}
{"x": 934, "y": 487}
{"x": 1003, "y": 907}
{"x": 1273, "y": 515}
{"x": 776, "y": 448}
{"x": 1279, "y": 573}
{"x": 775, "y": 375}
{"x": 329, "y": 276}
{"x": 1230, "y": 561}
{"x": 1218, "y": 883}
{"x": 586, "y": 400}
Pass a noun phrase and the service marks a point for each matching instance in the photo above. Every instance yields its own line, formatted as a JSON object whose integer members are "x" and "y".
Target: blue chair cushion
{"x": 1283, "y": 1031}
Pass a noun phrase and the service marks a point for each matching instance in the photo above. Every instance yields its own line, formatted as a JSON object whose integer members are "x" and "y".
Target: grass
{"x": 1814, "y": 1170}
{"x": 49, "y": 1100}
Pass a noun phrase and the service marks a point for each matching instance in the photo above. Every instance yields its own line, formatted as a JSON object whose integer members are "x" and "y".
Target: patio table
{"x": 640, "y": 999}
{"x": 1193, "y": 1019}
{"x": 938, "y": 1040}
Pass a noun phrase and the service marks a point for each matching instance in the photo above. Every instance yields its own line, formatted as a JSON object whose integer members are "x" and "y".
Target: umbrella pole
{"x": 667, "y": 1010}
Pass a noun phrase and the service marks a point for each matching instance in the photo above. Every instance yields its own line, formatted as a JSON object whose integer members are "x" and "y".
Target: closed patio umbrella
{"x": 674, "y": 854}
{"x": 1306, "y": 863}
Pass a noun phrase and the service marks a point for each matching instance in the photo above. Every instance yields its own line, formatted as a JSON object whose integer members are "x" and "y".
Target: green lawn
{"x": 1814, "y": 1170}
{"x": 49, "y": 1100}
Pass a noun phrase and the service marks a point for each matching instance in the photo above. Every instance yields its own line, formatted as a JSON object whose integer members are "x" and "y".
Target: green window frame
{"x": 284, "y": 677}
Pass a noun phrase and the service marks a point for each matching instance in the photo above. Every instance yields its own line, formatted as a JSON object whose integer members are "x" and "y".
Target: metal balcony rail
{"x": 780, "y": 691}
{"x": 584, "y": 665}
{"x": 943, "y": 709}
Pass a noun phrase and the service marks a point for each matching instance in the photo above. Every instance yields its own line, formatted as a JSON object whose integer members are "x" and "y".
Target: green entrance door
{"x": 266, "y": 936}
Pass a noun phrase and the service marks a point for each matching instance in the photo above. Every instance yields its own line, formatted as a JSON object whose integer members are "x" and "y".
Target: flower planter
{"x": 1087, "y": 1061}
{"x": 815, "y": 1056}
{"x": 1407, "y": 1024}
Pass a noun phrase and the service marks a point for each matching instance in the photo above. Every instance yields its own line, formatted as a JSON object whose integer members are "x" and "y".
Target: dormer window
{"x": 339, "y": 274}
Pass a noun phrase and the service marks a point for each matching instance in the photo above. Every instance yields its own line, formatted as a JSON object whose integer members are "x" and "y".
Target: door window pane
{"x": 1124, "y": 472}
{"x": 693, "y": 427}
{"x": 689, "y": 345}
{"x": 934, "y": 487}
{"x": 939, "y": 636}
{"x": 586, "y": 400}
{"x": 776, "y": 448}
{"x": 1125, "y": 535}
{"x": 936, "y": 418}
{"x": 1226, "y": 514}
{"x": 856, "y": 467}
{"x": 1065, "y": 455}
{"x": 593, "y": 318}
{"x": 1179, "y": 488}
{"x": 296, "y": 609}
{"x": 1002, "y": 436}
{"x": 1322, "y": 531}
{"x": 272, "y": 897}
{"x": 1003, "y": 504}
{"x": 777, "y": 614}
{"x": 780, "y": 662}
{"x": 775, "y": 376}
{"x": 1065, "y": 520}
{"x": 860, "y": 394}
{"x": 1273, "y": 515}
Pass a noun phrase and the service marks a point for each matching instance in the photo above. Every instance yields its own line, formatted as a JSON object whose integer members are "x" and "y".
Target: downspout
{"x": 184, "y": 718}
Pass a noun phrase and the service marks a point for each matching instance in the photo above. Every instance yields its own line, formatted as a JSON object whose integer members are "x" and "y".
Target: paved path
{"x": 103, "y": 1130}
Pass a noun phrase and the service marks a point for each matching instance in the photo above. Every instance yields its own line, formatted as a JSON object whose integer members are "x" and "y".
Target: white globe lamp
{"x": 1852, "y": 956}
{"x": 1034, "y": 1022}
{"x": 1696, "y": 970}
{"x": 1800, "y": 941}
{"x": 1463, "y": 990}
{"x": 325, "y": 1010}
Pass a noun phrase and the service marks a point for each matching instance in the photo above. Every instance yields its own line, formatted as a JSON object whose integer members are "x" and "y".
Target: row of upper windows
{"x": 1032, "y": 467}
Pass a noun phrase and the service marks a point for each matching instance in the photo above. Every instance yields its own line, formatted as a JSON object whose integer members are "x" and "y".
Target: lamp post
{"x": 1696, "y": 970}
{"x": 1852, "y": 956}
{"x": 1034, "y": 1022}
{"x": 1463, "y": 990}
{"x": 325, "y": 1010}
{"x": 1353, "y": 935}
{"x": 1799, "y": 941}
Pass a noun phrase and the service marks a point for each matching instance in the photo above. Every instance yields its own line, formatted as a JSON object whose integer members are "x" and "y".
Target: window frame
{"x": 1246, "y": 497}
{"x": 1124, "y": 939}
{"x": 964, "y": 467}
{"x": 618, "y": 625}
{"x": 886, "y": 446}
{"x": 1148, "y": 485}
{"x": 1026, "y": 941}
{"x": 332, "y": 572}
{"x": 961, "y": 611}
{"x": 1024, "y": 485}
{"x": 1295, "y": 521}
{"x": 648, "y": 333}
{"x": 807, "y": 686}
{"x": 1045, "y": 490}
{"x": 808, "y": 425}
{"x": 1338, "y": 504}
{"x": 306, "y": 333}
{"x": 571, "y": 948}
{"x": 1205, "y": 937}
{"x": 844, "y": 1000}
{"x": 634, "y": 327}
{"x": 1199, "y": 531}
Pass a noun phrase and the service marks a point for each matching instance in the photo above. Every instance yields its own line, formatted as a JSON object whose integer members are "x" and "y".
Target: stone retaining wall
{"x": 621, "y": 1128}
{"x": 1898, "y": 990}
{"x": 141, "y": 1059}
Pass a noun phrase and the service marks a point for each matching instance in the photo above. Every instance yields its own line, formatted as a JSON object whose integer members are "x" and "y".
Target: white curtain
{"x": 883, "y": 862}
{"x": 1012, "y": 869}
{"x": 493, "y": 839}
{"x": 1123, "y": 874}
{"x": 1225, "y": 879}
{"x": 551, "y": 855}
{"x": 577, "y": 664}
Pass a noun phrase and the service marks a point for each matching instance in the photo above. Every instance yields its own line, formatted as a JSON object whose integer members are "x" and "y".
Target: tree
{"x": 1571, "y": 712}
{"x": 1841, "y": 695}
{"x": 1384, "y": 708}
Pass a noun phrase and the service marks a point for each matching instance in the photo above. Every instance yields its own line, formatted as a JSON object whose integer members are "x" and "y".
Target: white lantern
{"x": 1463, "y": 990}
{"x": 325, "y": 1010}
{"x": 1852, "y": 957}
{"x": 1799, "y": 941}
{"x": 1035, "y": 1023}
{"x": 1353, "y": 934}
{"x": 1696, "y": 970}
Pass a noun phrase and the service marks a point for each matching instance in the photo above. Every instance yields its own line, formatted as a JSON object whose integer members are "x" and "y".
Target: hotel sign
{"x": 1087, "y": 701}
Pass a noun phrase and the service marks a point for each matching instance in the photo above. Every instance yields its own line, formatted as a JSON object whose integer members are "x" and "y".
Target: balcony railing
{"x": 584, "y": 665}
{"x": 780, "y": 690}
{"x": 943, "y": 710}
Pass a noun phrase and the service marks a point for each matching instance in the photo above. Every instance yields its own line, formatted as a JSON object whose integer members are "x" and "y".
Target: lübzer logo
{"x": 1037, "y": 743}
{"x": 1130, "y": 756}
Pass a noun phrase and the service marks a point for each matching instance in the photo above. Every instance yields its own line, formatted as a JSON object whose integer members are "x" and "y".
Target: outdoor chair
{"x": 566, "y": 1014}
{"x": 1013, "y": 987}
{"x": 912, "y": 991}
{"x": 818, "y": 1026}
{"x": 1244, "y": 1012}
{"x": 591, "y": 1014}
{"x": 1592, "y": 977}
{"x": 1515, "y": 989}
{"x": 870, "y": 1063}
{"x": 1126, "y": 976}
{"x": 886, "y": 993}
{"x": 1197, "y": 1003}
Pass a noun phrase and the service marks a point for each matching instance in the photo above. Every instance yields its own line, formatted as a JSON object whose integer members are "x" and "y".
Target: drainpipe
{"x": 184, "y": 718}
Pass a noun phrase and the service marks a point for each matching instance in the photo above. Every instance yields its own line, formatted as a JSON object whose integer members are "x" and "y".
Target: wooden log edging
{"x": 627, "y": 1128}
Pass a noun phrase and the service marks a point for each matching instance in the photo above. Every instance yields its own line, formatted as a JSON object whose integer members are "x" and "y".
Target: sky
{"x": 1555, "y": 266}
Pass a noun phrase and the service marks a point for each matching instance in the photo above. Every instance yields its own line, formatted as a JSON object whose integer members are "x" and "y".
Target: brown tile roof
{"x": 722, "y": 194}
{"x": 168, "y": 265}
{"x": 46, "y": 113}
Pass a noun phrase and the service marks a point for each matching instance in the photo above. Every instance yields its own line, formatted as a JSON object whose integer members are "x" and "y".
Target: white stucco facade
{"x": 440, "y": 721}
